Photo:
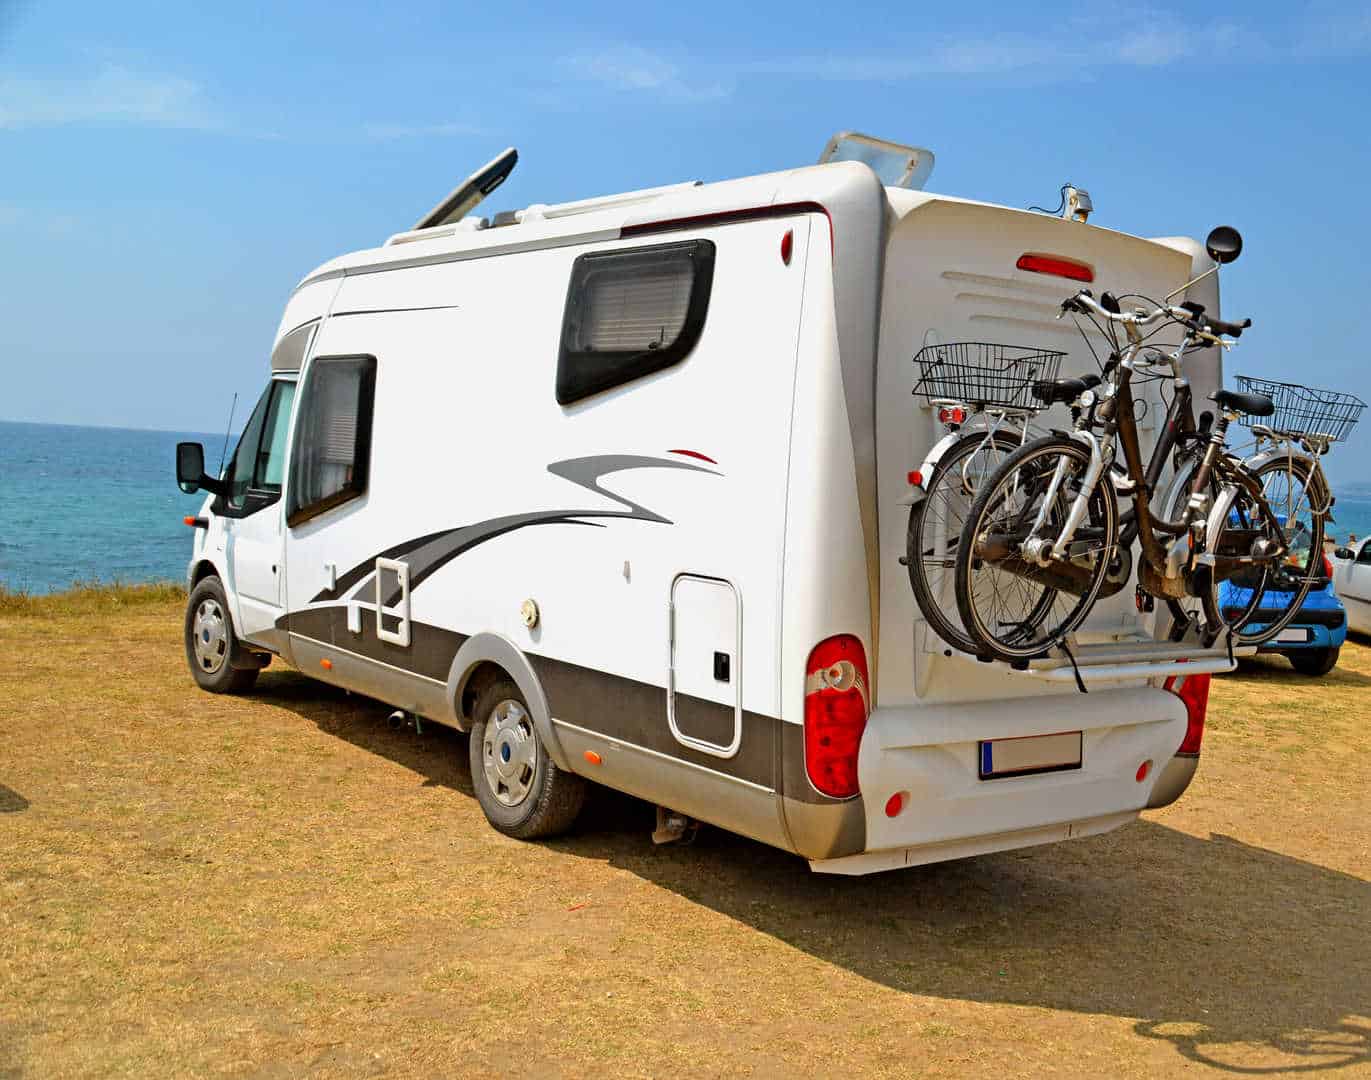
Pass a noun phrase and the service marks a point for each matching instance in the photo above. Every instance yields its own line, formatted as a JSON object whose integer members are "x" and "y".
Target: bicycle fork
{"x": 1042, "y": 549}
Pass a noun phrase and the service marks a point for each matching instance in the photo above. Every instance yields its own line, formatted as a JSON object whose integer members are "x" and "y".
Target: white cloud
{"x": 1122, "y": 37}
{"x": 114, "y": 96}
{"x": 422, "y": 131}
{"x": 630, "y": 69}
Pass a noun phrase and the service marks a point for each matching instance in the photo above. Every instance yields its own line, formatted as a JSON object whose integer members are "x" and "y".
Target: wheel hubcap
{"x": 209, "y": 634}
{"x": 510, "y": 753}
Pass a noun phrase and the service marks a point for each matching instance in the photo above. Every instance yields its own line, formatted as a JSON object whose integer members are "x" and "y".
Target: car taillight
{"x": 1327, "y": 568}
{"x": 1194, "y": 691}
{"x": 837, "y": 701}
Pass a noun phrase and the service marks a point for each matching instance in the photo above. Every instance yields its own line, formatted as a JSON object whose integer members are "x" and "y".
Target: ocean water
{"x": 101, "y": 504}
{"x": 92, "y": 504}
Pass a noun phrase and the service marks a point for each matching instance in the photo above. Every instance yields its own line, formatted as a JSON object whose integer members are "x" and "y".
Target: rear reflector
{"x": 836, "y": 708}
{"x": 954, "y": 415}
{"x": 1057, "y": 266}
{"x": 1194, "y": 691}
{"x": 787, "y": 245}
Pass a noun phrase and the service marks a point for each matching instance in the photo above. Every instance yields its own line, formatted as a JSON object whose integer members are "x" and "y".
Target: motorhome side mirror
{"x": 1224, "y": 243}
{"x": 1343, "y": 553}
{"x": 190, "y": 466}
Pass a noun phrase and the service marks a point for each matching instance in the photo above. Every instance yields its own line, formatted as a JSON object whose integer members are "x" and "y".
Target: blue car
{"x": 1312, "y": 640}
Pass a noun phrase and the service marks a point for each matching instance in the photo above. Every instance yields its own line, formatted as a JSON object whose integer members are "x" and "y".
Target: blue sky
{"x": 169, "y": 174}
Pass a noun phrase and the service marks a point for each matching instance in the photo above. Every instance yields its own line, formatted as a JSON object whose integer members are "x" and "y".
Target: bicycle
{"x": 1044, "y": 532}
{"x": 981, "y": 392}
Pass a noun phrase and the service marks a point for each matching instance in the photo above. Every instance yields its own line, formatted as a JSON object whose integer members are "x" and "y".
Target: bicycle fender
{"x": 1318, "y": 483}
{"x": 930, "y": 466}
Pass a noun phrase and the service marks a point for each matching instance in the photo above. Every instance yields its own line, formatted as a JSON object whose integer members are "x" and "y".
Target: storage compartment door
{"x": 704, "y": 702}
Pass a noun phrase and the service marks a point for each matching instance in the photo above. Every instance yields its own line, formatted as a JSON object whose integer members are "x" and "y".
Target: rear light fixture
{"x": 915, "y": 478}
{"x": 1194, "y": 691}
{"x": 837, "y": 703}
{"x": 787, "y": 245}
{"x": 954, "y": 415}
{"x": 1327, "y": 568}
{"x": 1056, "y": 266}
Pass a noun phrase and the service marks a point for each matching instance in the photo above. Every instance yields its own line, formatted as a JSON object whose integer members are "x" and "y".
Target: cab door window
{"x": 257, "y": 468}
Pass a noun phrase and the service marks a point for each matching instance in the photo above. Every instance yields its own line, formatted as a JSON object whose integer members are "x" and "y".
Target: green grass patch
{"x": 85, "y": 598}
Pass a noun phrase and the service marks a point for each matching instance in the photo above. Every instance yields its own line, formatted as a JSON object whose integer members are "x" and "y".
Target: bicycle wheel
{"x": 1012, "y": 607}
{"x": 1260, "y": 601}
{"x": 935, "y": 527}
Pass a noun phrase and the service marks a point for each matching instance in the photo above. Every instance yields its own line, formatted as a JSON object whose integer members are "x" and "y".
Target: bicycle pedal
{"x": 1145, "y": 602}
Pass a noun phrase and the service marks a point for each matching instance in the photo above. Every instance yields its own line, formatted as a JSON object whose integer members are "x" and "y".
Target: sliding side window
{"x": 331, "y": 455}
{"x": 630, "y": 313}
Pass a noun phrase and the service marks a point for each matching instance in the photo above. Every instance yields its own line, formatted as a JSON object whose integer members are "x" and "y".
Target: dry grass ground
{"x": 283, "y": 886}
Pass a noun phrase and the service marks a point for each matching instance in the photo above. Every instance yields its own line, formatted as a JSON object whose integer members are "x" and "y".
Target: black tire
{"x": 217, "y": 661}
{"x": 523, "y": 793}
{"x": 950, "y": 494}
{"x": 1286, "y": 486}
{"x": 1314, "y": 662}
{"x": 1026, "y": 474}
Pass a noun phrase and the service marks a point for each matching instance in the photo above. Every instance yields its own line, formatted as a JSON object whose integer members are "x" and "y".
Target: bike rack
{"x": 1128, "y": 659}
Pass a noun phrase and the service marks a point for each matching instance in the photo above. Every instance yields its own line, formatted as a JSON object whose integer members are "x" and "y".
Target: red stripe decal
{"x": 694, "y": 454}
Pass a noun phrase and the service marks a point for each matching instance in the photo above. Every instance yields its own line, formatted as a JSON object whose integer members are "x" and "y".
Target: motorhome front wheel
{"x": 523, "y": 793}
{"x": 219, "y": 664}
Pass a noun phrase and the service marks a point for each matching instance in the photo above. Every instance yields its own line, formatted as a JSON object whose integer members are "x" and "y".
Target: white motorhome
{"x": 620, "y": 487}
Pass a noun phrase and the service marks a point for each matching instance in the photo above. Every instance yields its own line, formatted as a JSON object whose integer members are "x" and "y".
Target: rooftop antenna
{"x": 464, "y": 198}
{"x": 224, "y": 452}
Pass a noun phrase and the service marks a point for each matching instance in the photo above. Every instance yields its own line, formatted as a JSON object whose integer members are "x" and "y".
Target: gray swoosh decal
{"x": 428, "y": 554}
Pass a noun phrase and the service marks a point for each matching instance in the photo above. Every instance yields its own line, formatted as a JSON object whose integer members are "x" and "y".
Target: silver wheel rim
{"x": 209, "y": 636}
{"x": 509, "y": 752}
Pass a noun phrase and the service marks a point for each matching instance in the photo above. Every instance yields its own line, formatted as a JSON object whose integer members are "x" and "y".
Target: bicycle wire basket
{"x": 985, "y": 374}
{"x": 1303, "y": 410}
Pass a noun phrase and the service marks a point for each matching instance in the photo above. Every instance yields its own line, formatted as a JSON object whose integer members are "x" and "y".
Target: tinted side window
{"x": 270, "y": 466}
{"x": 255, "y": 471}
{"x": 629, "y": 313}
{"x": 1364, "y": 556}
{"x": 239, "y": 475}
{"x": 332, "y": 450}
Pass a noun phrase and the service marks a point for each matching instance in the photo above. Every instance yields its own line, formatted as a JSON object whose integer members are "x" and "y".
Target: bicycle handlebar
{"x": 1192, "y": 317}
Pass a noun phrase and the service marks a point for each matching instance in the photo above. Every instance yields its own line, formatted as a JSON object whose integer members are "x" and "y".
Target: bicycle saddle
{"x": 1053, "y": 390}
{"x": 1251, "y": 404}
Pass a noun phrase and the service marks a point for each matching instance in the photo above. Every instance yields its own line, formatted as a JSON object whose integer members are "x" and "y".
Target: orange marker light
{"x": 326, "y": 664}
{"x": 593, "y": 757}
{"x": 189, "y": 521}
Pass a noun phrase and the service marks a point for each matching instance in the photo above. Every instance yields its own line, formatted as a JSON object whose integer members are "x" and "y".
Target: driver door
{"x": 253, "y": 526}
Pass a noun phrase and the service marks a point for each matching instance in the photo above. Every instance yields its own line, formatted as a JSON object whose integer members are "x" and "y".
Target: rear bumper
{"x": 1320, "y": 637}
{"x": 930, "y": 756}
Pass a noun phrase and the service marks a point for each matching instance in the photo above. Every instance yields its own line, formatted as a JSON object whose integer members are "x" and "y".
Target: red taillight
{"x": 1194, "y": 691}
{"x": 1057, "y": 266}
{"x": 787, "y": 245}
{"x": 915, "y": 478}
{"x": 956, "y": 415}
{"x": 836, "y": 707}
{"x": 1327, "y": 568}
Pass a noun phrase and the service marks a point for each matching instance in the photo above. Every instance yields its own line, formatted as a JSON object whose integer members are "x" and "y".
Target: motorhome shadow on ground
{"x": 621, "y": 488}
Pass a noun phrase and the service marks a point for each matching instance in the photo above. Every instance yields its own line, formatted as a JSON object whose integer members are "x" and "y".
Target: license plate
{"x": 1031, "y": 754}
{"x": 1299, "y": 633}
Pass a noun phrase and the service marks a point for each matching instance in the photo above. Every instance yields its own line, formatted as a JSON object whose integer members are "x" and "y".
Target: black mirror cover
{"x": 1343, "y": 553}
{"x": 1224, "y": 244}
{"x": 190, "y": 466}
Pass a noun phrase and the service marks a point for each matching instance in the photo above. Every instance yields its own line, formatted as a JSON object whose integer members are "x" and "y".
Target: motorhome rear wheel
{"x": 521, "y": 790}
